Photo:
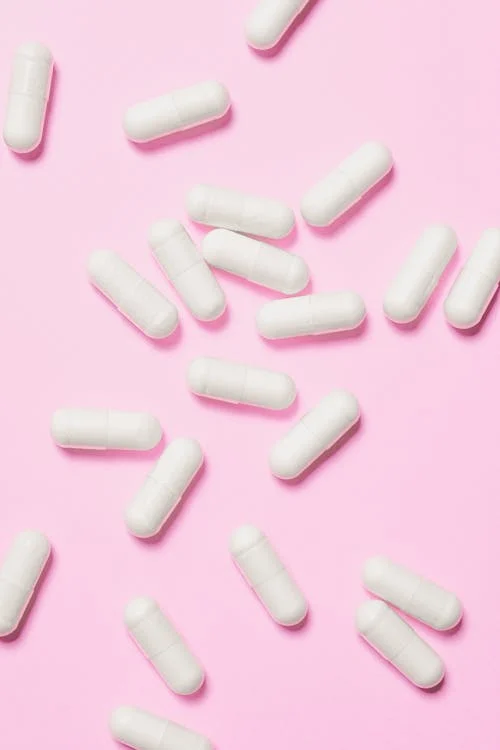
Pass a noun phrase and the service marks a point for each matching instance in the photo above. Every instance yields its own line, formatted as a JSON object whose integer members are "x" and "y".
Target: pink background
{"x": 419, "y": 481}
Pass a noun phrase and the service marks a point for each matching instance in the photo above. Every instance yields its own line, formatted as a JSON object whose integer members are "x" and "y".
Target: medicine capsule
{"x": 311, "y": 315}
{"x": 136, "y": 299}
{"x": 240, "y": 384}
{"x": 163, "y": 646}
{"x": 347, "y": 184}
{"x": 102, "y": 429}
{"x": 397, "y": 642}
{"x": 241, "y": 212}
{"x": 19, "y": 575}
{"x": 256, "y": 261}
{"x": 144, "y": 731}
{"x": 267, "y": 576}
{"x": 162, "y": 491}
{"x": 411, "y": 593}
{"x": 184, "y": 265}
{"x": 269, "y": 21}
{"x": 180, "y": 109}
{"x": 28, "y": 95}
{"x": 420, "y": 274}
{"x": 476, "y": 283}
{"x": 314, "y": 434}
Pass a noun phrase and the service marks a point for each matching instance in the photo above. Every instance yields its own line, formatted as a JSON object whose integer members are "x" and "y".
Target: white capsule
{"x": 163, "y": 646}
{"x": 240, "y": 384}
{"x": 267, "y": 576}
{"x": 184, "y": 265}
{"x": 102, "y": 429}
{"x": 476, "y": 283}
{"x": 269, "y": 21}
{"x": 256, "y": 261}
{"x": 180, "y": 109}
{"x": 19, "y": 575}
{"x": 346, "y": 185}
{"x": 136, "y": 299}
{"x": 420, "y": 273}
{"x": 317, "y": 431}
{"x": 241, "y": 212}
{"x": 397, "y": 642}
{"x": 411, "y": 593}
{"x": 28, "y": 95}
{"x": 162, "y": 491}
{"x": 144, "y": 731}
{"x": 311, "y": 315}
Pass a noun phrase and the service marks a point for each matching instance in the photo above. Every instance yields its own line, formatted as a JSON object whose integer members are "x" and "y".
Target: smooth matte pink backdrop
{"x": 420, "y": 479}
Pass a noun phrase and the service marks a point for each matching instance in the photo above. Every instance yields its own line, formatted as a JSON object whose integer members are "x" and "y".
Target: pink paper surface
{"x": 418, "y": 482}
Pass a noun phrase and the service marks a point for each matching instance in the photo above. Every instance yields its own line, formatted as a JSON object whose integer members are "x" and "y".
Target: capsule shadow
{"x": 39, "y": 151}
{"x": 22, "y": 628}
{"x": 322, "y": 338}
{"x": 218, "y": 324}
{"x": 112, "y": 454}
{"x": 247, "y": 409}
{"x": 476, "y": 330}
{"x": 271, "y": 294}
{"x": 173, "y": 139}
{"x": 298, "y": 21}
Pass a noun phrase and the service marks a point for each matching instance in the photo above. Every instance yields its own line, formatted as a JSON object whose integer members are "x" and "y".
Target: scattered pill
{"x": 267, "y": 576}
{"x": 240, "y": 384}
{"x": 144, "y": 731}
{"x": 184, "y": 265}
{"x": 102, "y": 429}
{"x": 411, "y": 593}
{"x": 28, "y": 95}
{"x": 397, "y": 642}
{"x": 314, "y": 434}
{"x": 137, "y": 299}
{"x": 19, "y": 575}
{"x": 231, "y": 209}
{"x": 476, "y": 283}
{"x": 178, "y": 110}
{"x": 269, "y": 21}
{"x": 420, "y": 274}
{"x": 163, "y": 646}
{"x": 342, "y": 188}
{"x": 164, "y": 487}
{"x": 256, "y": 261}
{"x": 310, "y": 314}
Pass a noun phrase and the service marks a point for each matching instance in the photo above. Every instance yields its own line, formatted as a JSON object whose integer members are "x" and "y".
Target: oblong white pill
{"x": 311, "y": 315}
{"x": 256, "y": 261}
{"x": 317, "y": 431}
{"x": 269, "y": 20}
{"x": 240, "y": 384}
{"x": 163, "y": 489}
{"x": 397, "y": 642}
{"x": 177, "y": 110}
{"x": 267, "y": 576}
{"x": 144, "y": 731}
{"x": 187, "y": 270}
{"x": 19, "y": 575}
{"x": 136, "y": 299}
{"x": 163, "y": 646}
{"x": 242, "y": 212}
{"x": 342, "y": 188}
{"x": 420, "y": 273}
{"x": 105, "y": 429}
{"x": 476, "y": 283}
{"x": 29, "y": 91}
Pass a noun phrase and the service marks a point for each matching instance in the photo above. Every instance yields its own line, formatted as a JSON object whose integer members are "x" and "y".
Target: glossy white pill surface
{"x": 136, "y": 299}
{"x": 342, "y": 188}
{"x": 397, "y": 642}
{"x": 187, "y": 270}
{"x": 163, "y": 646}
{"x": 476, "y": 283}
{"x": 267, "y": 576}
{"x": 103, "y": 428}
{"x": 256, "y": 261}
{"x": 242, "y": 212}
{"x": 29, "y": 90}
{"x": 311, "y": 315}
{"x": 144, "y": 731}
{"x": 240, "y": 384}
{"x": 19, "y": 575}
{"x": 162, "y": 491}
{"x": 269, "y": 20}
{"x": 177, "y": 110}
{"x": 314, "y": 434}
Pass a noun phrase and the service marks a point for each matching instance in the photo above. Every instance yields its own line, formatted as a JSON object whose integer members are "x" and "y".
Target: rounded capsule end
{"x": 148, "y": 432}
{"x": 243, "y": 538}
{"x": 196, "y": 202}
{"x": 137, "y": 609}
{"x": 297, "y": 277}
{"x": 162, "y": 231}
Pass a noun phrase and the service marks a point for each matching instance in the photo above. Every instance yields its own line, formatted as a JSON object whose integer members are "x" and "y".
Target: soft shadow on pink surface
{"x": 246, "y": 410}
{"x": 39, "y": 151}
{"x": 218, "y": 324}
{"x": 483, "y": 323}
{"x": 89, "y": 454}
{"x": 298, "y": 21}
{"x": 173, "y": 139}
{"x": 29, "y": 614}
{"x": 285, "y": 243}
{"x": 272, "y": 294}
{"x": 322, "y": 338}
